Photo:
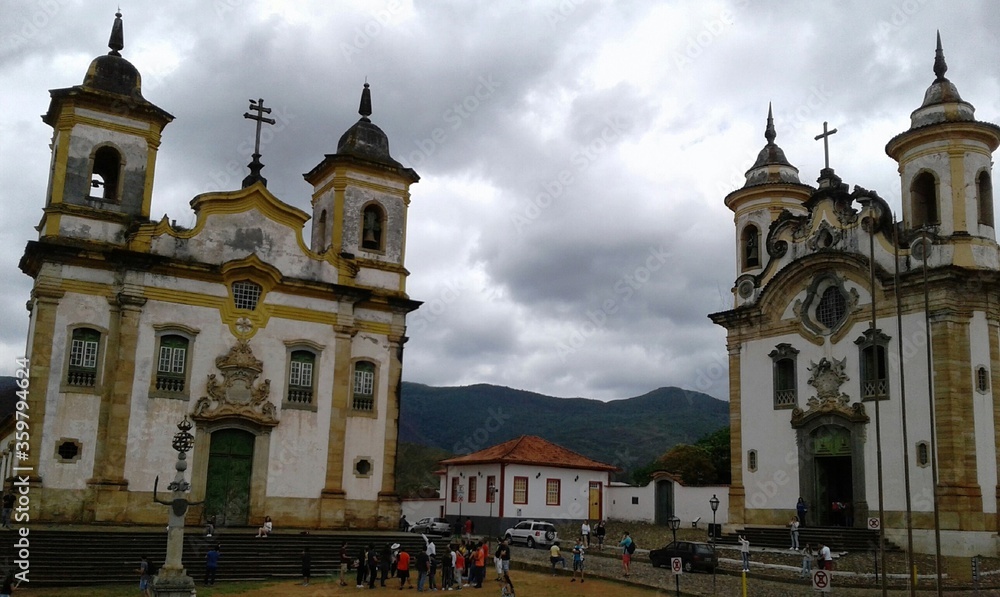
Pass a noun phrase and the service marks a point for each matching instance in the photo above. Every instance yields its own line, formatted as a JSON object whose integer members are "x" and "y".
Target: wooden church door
{"x": 230, "y": 463}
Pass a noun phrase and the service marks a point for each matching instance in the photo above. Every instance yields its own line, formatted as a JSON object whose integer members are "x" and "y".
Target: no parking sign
{"x": 677, "y": 565}
{"x": 821, "y": 581}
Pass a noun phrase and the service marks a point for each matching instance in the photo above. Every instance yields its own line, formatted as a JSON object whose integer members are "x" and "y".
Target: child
{"x": 507, "y": 589}
{"x": 459, "y": 567}
{"x": 807, "y": 558}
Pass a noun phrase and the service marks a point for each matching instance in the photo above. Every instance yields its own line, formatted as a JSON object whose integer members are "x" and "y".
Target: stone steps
{"x": 839, "y": 539}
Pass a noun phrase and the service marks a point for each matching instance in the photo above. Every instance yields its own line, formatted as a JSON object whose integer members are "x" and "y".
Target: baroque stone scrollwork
{"x": 236, "y": 395}
{"x": 827, "y": 376}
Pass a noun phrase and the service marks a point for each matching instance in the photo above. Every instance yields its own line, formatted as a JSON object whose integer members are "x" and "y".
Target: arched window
{"x": 783, "y": 359}
{"x": 984, "y": 193}
{"x": 301, "y": 365}
{"x": 924, "y": 200}
{"x": 171, "y": 367}
{"x": 105, "y": 174}
{"x": 832, "y": 307}
{"x": 750, "y": 244}
{"x": 372, "y": 228}
{"x": 752, "y": 461}
{"x": 83, "y": 358}
{"x": 363, "y": 397}
{"x": 321, "y": 233}
{"x": 873, "y": 347}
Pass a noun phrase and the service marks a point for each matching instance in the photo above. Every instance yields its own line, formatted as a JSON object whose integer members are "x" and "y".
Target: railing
{"x": 366, "y": 403}
{"x": 784, "y": 398}
{"x": 85, "y": 379}
{"x": 876, "y": 389}
{"x": 300, "y": 395}
{"x": 169, "y": 384}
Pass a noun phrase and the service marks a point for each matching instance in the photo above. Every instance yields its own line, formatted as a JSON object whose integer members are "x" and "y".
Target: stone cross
{"x": 826, "y": 146}
{"x": 255, "y": 165}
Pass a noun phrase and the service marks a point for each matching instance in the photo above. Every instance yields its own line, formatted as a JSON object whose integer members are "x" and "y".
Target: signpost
{"x": 874, "y": 524}
{"x": 677, "y": 565}
{"x": 821, "y": 581}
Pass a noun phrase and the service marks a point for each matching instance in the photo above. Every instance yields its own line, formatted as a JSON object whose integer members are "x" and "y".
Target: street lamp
{"x": 675, "y": 523}
{"x": 491, "y": 493}
{"x": 714, "y": 502}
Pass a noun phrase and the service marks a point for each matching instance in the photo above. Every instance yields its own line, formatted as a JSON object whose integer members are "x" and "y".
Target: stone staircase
{"x": 89, "y": 556}
{"x": 839, "y": 539}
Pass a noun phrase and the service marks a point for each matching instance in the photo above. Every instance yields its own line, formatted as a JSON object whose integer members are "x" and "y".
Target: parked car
{"x": 694, "y": 556}
{"x": 532, "y": 533}
{"x": 432, "y": 526}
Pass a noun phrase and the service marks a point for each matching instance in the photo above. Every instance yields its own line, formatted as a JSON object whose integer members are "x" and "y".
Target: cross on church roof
{"x": 826, "y": 146}
{"x": 255, "y": 165}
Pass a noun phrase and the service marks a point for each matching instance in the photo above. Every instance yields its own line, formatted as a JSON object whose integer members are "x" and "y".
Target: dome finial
{"x": 940, "y": 67}
{"x": 366, "y": 102}
{"x": 117, "y": 41}
{"x": 769, "y": 132}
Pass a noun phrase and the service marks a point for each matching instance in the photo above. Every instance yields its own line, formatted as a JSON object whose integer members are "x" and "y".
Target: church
{"x": 285, "y": 355}
{"x": 864, "y": 353}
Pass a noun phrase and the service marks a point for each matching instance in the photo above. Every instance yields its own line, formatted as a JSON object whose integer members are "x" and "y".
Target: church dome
{"x": 112, "y": 73}
{"x": 771, "y": 165}
{"x": 365, "y": 140}
{"x": 942, "y": 102}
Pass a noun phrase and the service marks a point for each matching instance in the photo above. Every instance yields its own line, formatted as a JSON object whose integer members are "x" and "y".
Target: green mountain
{"x": 627, "y": 433}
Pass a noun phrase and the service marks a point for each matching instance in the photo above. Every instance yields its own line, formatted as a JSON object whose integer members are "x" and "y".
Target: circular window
{"x": 832, "y": 308}
{"x": 68, "y": 450}
{"x": 363, "y": 467}
{"x": 746, "y": 288}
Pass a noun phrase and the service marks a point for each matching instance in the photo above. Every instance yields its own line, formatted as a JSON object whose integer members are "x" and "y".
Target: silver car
{"x": 431, "y": 526}
{"x": 532, "y": 533}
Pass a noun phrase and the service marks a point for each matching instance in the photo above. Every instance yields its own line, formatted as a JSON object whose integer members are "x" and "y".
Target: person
{"x": 345, "y": 563}
{"x": 7, "y": 589}
{"x": 403, "y": 568}
{"x": 306, "y": 566}
{"x": 600, "y": 532}
{"x": 145, "y": 584}
{"x": 404, "y": 525}
{"x": 504, "y": 551}
{"x": 8, "y": 508}
{"x": 210, "y": 526}
{"x": 361, "y": 564}
{"x": 266, "y": 528}
{"x": 423, "y": 565}
{"x": 807, "y": 558}
{"x": 556, "y": 557}
{"x": 468, "y": 529}
{"x": 387, "y": 561}
{"x": 459, "y": 566}
{"x": 578, "y": 559}
{"x": 372, "y": 565}
{"x": 825, "y": 558}
{"x": 479, "y": 555}
{"x": 793, "y": 528}
{"x": 745, "y": 552}
{"x": 628, "y": 547}
{"x": 800, "y": 509}
{"x": 585, "y": 531}
{"x": 212, "y": 564}
{"x": 496, "y": 561}
{"x": 432, "y": 562}
{"x": 507, "y": 589}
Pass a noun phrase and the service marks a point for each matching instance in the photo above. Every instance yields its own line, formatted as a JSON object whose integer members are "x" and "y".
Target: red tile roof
{"x": 530, "y": 449}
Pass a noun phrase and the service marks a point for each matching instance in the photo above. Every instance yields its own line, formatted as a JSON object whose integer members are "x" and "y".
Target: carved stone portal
{"x": 827, "y": 377}
{"x": 236, "y": 396}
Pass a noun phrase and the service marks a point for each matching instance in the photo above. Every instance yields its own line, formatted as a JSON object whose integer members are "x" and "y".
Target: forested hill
{"x": 627, "y": 433}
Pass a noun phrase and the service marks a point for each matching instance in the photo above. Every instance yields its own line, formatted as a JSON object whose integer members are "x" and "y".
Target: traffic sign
{"x": 677, "y": 565}
{"x": 821, "y": 581}
{"x": 874, "y": 524}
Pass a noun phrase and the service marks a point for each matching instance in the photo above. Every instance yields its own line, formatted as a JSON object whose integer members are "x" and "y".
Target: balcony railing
{"x": 784, "y": 398}
{"x": 84, "y": 379}
{"x": 169, "y": 384}
{"x": 366, "y": 403}
{"x": 300, "y": 395}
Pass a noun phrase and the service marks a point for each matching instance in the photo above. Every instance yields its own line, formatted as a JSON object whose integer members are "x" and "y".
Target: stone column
{"x": 737, "y": 492}
{"x": 388, "y": 499}
{"x": 332, "y": 498}
{"x": 994, "y": 392}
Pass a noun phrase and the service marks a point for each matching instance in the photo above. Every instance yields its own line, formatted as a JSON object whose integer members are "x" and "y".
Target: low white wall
{"x": 626, "y": 502}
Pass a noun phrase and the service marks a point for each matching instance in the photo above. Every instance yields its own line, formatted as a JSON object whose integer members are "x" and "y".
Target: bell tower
{"x": 104, "y": 143}
{"x": 945, "y": 166}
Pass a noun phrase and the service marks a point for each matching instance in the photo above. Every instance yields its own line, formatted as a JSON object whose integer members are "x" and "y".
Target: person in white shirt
{"x": 825, "y": 557}
{"x": 585, "y": 531}
{"x": 793, "y": 527}
{"x": 745, "y": 552}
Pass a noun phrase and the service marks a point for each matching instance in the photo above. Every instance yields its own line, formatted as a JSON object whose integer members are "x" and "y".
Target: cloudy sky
{"x": 568, "y": 235}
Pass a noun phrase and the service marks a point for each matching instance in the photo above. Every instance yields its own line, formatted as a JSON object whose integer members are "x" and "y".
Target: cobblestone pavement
{"x": 761, "y": 581}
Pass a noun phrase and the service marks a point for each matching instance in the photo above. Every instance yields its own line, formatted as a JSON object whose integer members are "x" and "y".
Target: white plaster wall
{"x": 692, "y": 503}
{"x": 90, "y": 229}
{"x": 936, "y": 162}
{"x": 982, "y": 408}
{"x": 377, "y": 278}
{"x": 479, "y": 507}
{"x": 365, "y": 436}
{"x": 619, "y": 506}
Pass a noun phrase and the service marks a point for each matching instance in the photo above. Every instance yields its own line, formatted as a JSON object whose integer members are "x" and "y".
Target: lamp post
{"x": 491, "y": 492}
{"x": 675, "y": 523}
{"x": 714, "y": 502}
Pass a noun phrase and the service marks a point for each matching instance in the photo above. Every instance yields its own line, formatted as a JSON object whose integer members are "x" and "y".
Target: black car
{"x": 695, "y": 556}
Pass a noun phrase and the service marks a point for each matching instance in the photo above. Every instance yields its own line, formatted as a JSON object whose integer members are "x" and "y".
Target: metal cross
{"x": 258, "y": 106}
{"x": 825, "y": 136}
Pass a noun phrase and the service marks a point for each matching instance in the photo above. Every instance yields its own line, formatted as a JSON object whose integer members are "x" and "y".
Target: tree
{"x": 692, "y": 464}
{"x": 717, "y": 446}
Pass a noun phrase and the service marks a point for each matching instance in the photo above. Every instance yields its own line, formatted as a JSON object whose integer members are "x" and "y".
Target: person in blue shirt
{"x": 578, "y": 550}
{"x": 212, "y": 564}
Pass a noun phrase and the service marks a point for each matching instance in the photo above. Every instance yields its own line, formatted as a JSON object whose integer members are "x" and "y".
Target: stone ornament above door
{"x": 237, "y": 396}
{"x": 827, "y": 376}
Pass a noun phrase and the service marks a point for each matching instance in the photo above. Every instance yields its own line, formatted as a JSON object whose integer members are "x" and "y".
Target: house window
{"x": 984, "y": 188}
{"x": 246, "y": 294}
{"x": 552, "y": 492}
{"x": 874, "y": 365}
{"x": 520, "y": 490}
{"x": 373, "y": 224}
{"x": 783, "y": 359}
{"x": 491, "y": 489}
{"x": 105, "y": 174}
{"x": 750, "y": 242}
{"x": 364, "y": 386}
{"x": 982, "y": 380}
{"x": 923, "y": 454}
{"x": 301, "y": 364}
{"x": 752, "y": 461}
{"x": 171, "y": 364}
{"x": 635, "y": 500}
{"x": 454, "y": 489}
{"x": 473, "y": 488}
{"x": 924, "y": 201}
{"x": 83, "y": 355}
{"x": 832, "y": 308}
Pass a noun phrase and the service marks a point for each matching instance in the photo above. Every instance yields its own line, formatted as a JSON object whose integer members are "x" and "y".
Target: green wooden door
{"x": 230, "y": 462}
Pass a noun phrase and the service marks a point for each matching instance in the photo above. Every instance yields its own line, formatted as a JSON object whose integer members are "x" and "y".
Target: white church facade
{"x": 286, "y": 355}
{"x": 837, "y": 368}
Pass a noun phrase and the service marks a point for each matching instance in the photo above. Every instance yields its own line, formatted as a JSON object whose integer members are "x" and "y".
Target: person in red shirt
{"x": 403, "y": 568}
{"x": 468, "y": 529}
{"x": 479, "y": 560}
